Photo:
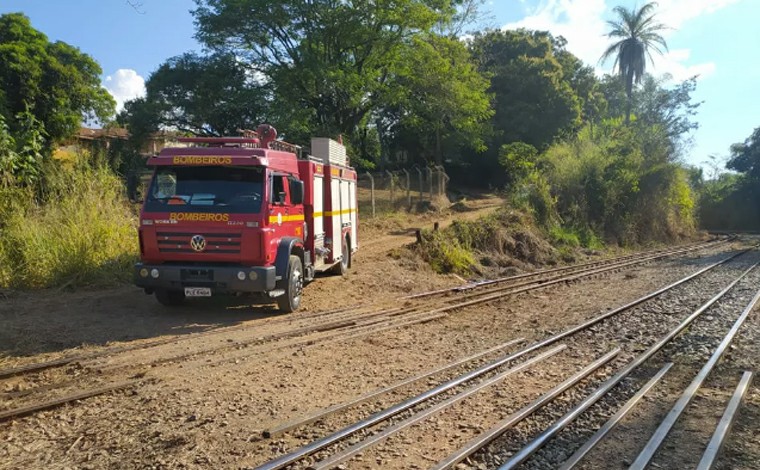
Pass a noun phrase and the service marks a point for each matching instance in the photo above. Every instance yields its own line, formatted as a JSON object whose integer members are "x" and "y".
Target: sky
{"x": 708, "y": 38}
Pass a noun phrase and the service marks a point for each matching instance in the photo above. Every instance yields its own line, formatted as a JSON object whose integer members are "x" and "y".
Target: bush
{"x": 82, "y": 234}
{"x": 610, "y": 184}
{"x": 446, "y": 254}
{"x": 564, "y": 237}
{"x": 503, "y": 239}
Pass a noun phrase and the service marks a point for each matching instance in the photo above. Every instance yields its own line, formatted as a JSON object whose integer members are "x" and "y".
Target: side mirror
{"x": 296, "y": 192}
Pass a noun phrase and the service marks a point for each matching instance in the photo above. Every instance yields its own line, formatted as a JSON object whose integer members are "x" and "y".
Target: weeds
{"x": 446, "y": 254}
{"x": 84, "y": 234}
{"x": 498, "y": 240}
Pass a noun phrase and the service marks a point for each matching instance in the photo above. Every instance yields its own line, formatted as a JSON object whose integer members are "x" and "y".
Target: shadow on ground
{"x": 49, "y": 321}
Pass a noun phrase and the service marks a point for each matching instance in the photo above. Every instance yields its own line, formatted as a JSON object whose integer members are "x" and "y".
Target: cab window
{"x": 279, "y": 189}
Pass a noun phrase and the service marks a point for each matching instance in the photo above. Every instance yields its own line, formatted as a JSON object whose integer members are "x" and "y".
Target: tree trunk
{"x": 629, "y": 94}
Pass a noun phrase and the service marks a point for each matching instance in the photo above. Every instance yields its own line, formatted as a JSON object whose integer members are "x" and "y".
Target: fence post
{"x": 408, "y": 190}
{"x": 372, "y": 192}
{"x": 419, "y": 175}
{"x": 430, "y": 180}
{"x": 443, "y": 179}
{"x": 390, "y": 176}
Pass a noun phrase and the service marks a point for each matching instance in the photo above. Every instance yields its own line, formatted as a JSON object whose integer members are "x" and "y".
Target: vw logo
{"x": 198, "y": 243}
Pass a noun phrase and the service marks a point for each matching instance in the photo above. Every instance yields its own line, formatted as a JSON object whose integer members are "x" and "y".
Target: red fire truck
{"x": 246, "y": 215}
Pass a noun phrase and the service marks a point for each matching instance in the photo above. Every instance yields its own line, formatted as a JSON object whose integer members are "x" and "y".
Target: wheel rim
{"x": 297, "y": 285}
{"x": 344, "y": 260}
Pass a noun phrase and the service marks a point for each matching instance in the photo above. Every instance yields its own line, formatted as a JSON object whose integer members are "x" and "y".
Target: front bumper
{"x": 221, "y": 279}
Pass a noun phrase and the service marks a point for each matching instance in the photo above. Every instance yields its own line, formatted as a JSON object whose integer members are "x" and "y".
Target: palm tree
{"x": 637, "y": 33}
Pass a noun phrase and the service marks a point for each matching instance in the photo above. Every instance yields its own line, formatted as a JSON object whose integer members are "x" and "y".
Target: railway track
{"x": 341, "y": 316}
{"x": 334, "y": 325}
{"x": 331, "y": 450}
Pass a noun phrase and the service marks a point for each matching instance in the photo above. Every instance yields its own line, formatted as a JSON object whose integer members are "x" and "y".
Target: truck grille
{"x": 172, "y": 242}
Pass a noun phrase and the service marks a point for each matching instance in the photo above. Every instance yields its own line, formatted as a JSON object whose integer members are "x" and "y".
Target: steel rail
{"x": 335, "y": 335}
{"x": 40, "y": 366}
{"x": 726, "y": 423}
{"x": 653, "y": 349}
{"x": 490, "y": 295}
{"x": 436, "y": 313}
{"x": 479, "y": 442}
{"x": 475, "y": 285}
{"x": 562, "y": 278}
{"x": 314, "y": 416}
{"x": 614, "y": 420}
{"x": 610, "y": 383}
{"x": 36, "y": 367}
{"x": 364, "y": 328}
{"x": 345, "y": 324}
{"x": 333, "y": 326}
{"x": 441, "y": 312}
{"x": 29, "y": 409}
{"x": 384, "y": 414}
{"x": 372, "y": 440}
{"x": 670, "y": 420}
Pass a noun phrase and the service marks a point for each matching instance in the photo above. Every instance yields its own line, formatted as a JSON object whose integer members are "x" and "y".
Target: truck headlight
{"x": 253, "y": 276}
{"x": 154, "y": 273}
{"x": 241, "y": 276}
{"x": 143, "y": 272}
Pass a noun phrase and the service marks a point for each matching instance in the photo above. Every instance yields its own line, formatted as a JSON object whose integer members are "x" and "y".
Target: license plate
{"x": 197, "y": 292}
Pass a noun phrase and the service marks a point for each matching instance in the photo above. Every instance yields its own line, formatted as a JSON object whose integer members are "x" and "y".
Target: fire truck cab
{"x": 246, "y": 214}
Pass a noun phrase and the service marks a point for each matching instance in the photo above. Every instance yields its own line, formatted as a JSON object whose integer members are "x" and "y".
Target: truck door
{"x": 285, "y": 216}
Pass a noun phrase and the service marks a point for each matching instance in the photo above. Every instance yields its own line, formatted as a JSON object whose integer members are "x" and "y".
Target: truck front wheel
{"x": 170, "y": 298}
{"x": 291, "y": 299}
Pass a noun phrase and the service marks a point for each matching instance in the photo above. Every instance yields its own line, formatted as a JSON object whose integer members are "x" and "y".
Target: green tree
{"x": 518, "y": 159}
{"x": 57, "y": 83}
{"x": 355, "y": 68}
{"x": 330, "y": 60}
{"x": 664, "y": 117}
{"x": 533, "y": 101}
{"x": 583, "y": 81}
{"x": 731, "y": 201}
{"x": 202, "y": 95}
{"x": 637, "y": 34}
{"x": 745, "y": 157}
{"x": 532, "y": 98}
{"x": 437, "y": 103}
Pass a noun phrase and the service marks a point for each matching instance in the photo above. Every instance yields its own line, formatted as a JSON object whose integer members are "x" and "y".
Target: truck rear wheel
{"x": 345, "y": 261}
{"x": 170, "y": 298}
{"x": 291, "y": 299}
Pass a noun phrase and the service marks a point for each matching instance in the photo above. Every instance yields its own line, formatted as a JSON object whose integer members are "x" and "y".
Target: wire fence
{"x": 392, "y": 191}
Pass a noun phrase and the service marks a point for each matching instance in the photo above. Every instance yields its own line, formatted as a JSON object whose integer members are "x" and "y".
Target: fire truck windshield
{"x": 206, "y": 189}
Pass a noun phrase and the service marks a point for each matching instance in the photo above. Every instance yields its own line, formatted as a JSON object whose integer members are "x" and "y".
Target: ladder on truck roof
{"x": 250, "y": 139}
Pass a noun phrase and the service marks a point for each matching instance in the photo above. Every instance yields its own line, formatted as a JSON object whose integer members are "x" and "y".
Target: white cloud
{"x": 583, "y": 24}
{"x": 578, "y": 21}
{"x": 673, "y": 63}
{"x": 674, "y": 13}
{"x": 124, "y": 85}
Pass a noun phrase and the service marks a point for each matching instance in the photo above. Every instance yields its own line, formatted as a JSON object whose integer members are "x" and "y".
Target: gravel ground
{"x": 207, "y": 413}
{"x": 689, "y": 351}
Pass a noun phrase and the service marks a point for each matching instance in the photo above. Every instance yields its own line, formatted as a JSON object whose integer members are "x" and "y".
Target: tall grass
{"x": 83, "y": 234}
{"x": 495, "y": 240}
{"x": 608, "y": 185}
